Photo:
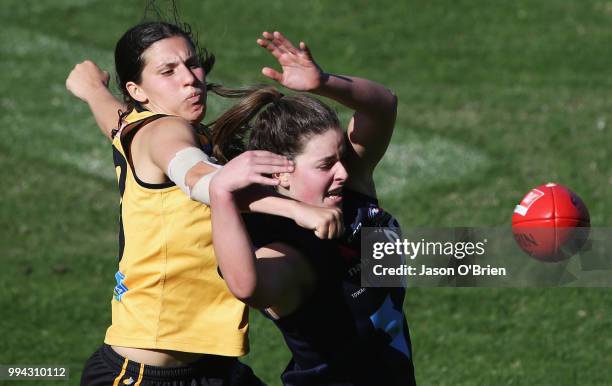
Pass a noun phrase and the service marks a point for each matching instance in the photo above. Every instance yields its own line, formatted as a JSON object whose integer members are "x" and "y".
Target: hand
{"x": 299, "y": 70}
{"x": 86, "y": 79}
{"x": 249, "y": 168}
{"x": 326, "y": 222}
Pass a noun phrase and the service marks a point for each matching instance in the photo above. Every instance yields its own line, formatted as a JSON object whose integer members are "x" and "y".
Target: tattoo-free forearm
{"x": 233, "y": 247}
{"x": 104, "y": 107}
{"x": 359, "y": 94}
{"x": 261, "y": 199}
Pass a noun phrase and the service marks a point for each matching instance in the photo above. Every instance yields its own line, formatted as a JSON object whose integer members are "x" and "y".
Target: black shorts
{"x": 107, "y": 368}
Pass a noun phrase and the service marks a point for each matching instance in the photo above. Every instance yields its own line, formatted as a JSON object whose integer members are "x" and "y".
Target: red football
{"x": 551, "y": 223}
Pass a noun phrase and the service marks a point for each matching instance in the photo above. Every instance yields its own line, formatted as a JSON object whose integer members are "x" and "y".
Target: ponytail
{"x": 229, "y": 130}
{"x": 226, "y": 92}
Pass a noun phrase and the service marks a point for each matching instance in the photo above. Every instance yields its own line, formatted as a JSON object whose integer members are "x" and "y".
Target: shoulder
{"x": 168, "y": 127}
{"x": 167, "y": 132}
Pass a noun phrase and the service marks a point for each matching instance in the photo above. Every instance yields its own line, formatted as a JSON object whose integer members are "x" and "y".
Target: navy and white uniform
{"x": 343, "y": 334}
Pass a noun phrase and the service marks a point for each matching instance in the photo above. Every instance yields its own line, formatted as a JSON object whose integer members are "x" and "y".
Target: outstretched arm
{"x": 371, "y": 127}
{"x": 89, "y": 83}
{"x": 327, "y": 223}
{"x": 275, "y": 276}
{"x": 167, "y": 140}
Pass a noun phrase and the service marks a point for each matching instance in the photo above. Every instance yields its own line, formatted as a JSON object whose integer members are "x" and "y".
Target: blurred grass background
{"x": 495, "y": 98}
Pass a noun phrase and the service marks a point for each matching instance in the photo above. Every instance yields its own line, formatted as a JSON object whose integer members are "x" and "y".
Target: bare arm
{"x": 326, "y": 223}
{"x": 161, "y": 141}
{"x": 275, "y": 276}
{"x": 89, "y": 83}
{"x": 371, "y": 127}
{"x": 257, "y": 284}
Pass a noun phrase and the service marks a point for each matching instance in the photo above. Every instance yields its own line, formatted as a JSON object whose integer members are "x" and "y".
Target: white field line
{"x": 420, "y": 163}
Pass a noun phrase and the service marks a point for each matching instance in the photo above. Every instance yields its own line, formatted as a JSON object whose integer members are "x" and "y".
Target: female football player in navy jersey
{"x": 339, "y": 333}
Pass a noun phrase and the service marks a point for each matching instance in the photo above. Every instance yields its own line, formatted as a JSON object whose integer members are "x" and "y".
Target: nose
{"x": 340, "y": 173}
{"x": 187, "y": 76}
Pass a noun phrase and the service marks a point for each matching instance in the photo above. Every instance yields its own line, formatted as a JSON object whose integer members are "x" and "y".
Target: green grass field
{"x": 495, "y": 98}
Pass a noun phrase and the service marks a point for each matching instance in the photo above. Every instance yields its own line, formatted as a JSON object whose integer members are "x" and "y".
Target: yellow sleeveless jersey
{"x": 168, "y": 294}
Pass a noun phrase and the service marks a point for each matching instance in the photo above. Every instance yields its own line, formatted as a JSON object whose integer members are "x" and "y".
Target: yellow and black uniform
{"x": 168, "y": 293}
{"x": 107, "y": 368}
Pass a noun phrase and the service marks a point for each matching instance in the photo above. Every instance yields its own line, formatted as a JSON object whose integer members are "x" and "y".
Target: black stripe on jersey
{"x": 121, "y": 235}
{"x": 120, "y": 163}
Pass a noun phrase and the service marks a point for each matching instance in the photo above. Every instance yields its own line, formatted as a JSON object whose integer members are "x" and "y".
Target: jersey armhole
{"x": 127, "y": 136}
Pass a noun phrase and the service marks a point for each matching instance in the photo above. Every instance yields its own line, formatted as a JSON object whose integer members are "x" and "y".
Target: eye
{"x": 167, "y": 72}
{"x": 193, "y": 63}
{"x": 327, "y": 165}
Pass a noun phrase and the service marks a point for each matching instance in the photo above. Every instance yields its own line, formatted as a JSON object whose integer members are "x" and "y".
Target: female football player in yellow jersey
{"x": 173, "y": 319}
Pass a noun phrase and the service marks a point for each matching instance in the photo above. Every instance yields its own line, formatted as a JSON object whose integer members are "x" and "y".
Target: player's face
{"x": 173, "y": 81}
{"x": 319, "y": 175}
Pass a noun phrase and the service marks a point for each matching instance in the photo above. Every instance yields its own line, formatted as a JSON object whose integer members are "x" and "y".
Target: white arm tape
{"x": 200, "y": 190}
{"x": 179, "y": 166}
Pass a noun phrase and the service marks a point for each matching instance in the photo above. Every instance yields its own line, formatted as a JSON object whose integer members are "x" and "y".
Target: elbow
{"x": 246, "y": 291}
{"x": 242, "y": 288}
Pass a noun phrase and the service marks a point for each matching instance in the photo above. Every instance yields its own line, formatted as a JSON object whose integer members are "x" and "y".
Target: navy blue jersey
{"x": 343, "y": 334}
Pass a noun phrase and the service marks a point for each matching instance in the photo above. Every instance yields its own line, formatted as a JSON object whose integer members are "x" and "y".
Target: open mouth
{"x": 334, "y": 193}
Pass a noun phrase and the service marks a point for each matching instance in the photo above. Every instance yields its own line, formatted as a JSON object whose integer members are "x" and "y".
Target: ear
{"x": 136, "y": 92}
{"x": 283, "y": 178}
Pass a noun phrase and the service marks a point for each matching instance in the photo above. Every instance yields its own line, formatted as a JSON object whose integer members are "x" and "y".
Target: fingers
{"x": 270, "y": 47}
{"x": 270, "y": 164}
{"x": 332, "y": 227}
{"x": 268, "y": 43}
{"x": 304, "y": 48}
{"x": 260, "y": 163}
{"x": 272, "y": 74}
{"x": 336, "y": 225}
{"x": 321, "y": 233}
{"x": 332, "y": 230}
{"x": 265, "y": 180}
{"x": 277, "y": 43}
{"x": 283, "y": 43}
{"x": 340, "y": 229}
{"x": 271, "y": 169}
{"x": 267, "y": 156}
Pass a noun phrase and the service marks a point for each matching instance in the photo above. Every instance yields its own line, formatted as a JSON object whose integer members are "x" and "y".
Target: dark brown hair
{"x": 277, "y": 123}
{"x": 129, "y": 52}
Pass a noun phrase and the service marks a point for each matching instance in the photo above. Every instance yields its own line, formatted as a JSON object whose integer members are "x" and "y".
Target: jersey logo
{"x": 120, "y": 288}
{"x": 391, "y": 320}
